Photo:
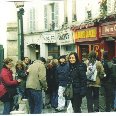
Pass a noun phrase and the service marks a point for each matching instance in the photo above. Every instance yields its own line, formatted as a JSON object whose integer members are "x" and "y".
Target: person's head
{"x": 73, "y": 58}
{"x": 49, "y": 59}
{"x": 19, "y": 65}
{"x": 92, "y": 56}
{"x": 55, "y": 62}
{"x": 105, "y": 55}
{"x": 26, "y": 60}
{"x": 42, "y": 59}
{"x": 62, "y": 59}
{"x": 114, "y": 60}
{"x": 8, "y": 63}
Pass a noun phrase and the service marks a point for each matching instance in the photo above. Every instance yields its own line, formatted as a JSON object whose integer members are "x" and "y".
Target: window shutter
{"x": 56, "y": 15}
{"x": 45, "y": 17}
{"x": 32, "y": 20}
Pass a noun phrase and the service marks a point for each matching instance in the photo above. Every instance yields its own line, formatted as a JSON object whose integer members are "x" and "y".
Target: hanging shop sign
{"x": 48, "y": 37}
{"x": 64, "y": 37}
{"x": 89, "y": 34}
{"x": 108, "y": 29}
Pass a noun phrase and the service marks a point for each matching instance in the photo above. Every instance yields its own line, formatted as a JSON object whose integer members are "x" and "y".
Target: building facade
{"x": 48, "y": 27}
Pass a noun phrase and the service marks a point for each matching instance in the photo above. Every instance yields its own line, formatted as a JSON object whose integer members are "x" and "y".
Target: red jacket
{"x": 7, "y": 78}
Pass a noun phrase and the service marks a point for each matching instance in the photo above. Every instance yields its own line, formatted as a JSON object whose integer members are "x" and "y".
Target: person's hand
{"x": 19, "y": 80}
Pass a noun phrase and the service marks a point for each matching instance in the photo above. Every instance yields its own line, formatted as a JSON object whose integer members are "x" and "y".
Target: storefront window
{"x": 70, "y": 48}
{"x": 53, "y": 50}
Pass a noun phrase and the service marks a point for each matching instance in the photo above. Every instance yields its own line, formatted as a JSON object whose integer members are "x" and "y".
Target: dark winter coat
{"x": 77, "y": 75}
{"x": 21, "y": 74}
{"x": 107, "y": 65}
{"x": 62, "y": 74}
{"x": 51, "y": 79}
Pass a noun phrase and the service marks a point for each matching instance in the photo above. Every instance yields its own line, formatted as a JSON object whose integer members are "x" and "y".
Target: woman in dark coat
{"x": 7, "y": 79}
{"x": 77, "y": 75}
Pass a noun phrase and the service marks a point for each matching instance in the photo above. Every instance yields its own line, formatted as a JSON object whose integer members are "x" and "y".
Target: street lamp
{"x": 20, "y": 13}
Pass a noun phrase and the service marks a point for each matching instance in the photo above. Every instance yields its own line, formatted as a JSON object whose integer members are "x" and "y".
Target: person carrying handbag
{"x": 77, "y": 75}
{"x": 7, "y": 80}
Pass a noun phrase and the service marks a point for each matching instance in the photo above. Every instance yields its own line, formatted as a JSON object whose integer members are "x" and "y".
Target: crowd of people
{"x": 90, "y": 78}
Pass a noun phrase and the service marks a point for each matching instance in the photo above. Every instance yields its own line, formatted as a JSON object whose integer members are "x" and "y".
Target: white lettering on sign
{"x": 49, "y": 38}
{"x": 106, "y": 29}
{"x": 110, "y": 28}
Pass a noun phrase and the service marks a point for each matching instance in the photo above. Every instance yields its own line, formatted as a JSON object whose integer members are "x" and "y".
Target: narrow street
{"x": 51, "y": 110}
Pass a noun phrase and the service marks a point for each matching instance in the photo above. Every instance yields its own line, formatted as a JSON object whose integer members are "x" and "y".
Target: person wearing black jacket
{"x": 77, "y": 76}
{"x": 62, "y": 71}
{"x": 107, "y": 82}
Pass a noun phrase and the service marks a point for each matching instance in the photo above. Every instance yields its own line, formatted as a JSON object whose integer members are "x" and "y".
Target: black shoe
{"x": 59, "y": 110}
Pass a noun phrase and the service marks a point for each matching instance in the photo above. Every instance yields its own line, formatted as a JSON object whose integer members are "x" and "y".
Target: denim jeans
{"x": 54, "y": 99}
{"x": 21, "y": 90}
{"x": 8, "y": 104}
{"x": 35, "y": 101}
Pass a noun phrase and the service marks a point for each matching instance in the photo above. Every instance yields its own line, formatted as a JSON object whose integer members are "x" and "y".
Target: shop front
{"x": 108, "y": 37}
{"x": 65, "y": 41}
{"x": 87, "y": 40}
{"x": 51, "y": 48}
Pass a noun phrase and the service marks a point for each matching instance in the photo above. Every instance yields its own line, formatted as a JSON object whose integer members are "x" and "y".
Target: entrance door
{"x": 111, "y": 48}
{"x": 84, "y": 51}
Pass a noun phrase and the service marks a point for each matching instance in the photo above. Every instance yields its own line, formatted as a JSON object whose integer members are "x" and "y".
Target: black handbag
{"x": 12, "y": 90}
{"x": 68, "y": 93}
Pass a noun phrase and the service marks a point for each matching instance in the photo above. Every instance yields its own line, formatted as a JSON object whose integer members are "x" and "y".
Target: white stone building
{"x": 47, "y": 25}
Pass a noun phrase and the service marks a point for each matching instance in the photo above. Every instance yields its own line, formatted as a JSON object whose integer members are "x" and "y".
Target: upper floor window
{"x": 51, "y": 16}
{"x": 32, "y": 20}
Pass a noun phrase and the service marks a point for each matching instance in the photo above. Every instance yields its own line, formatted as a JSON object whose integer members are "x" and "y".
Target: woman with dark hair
{"x": 7, "y": 79}
{"x": 77, "y": 76}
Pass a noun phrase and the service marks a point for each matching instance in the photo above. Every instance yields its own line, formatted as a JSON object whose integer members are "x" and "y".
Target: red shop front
{"x": 87, "y": 40}
{"x": 108, "y": 38}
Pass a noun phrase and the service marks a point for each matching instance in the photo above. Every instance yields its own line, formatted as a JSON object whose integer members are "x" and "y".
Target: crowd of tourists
{"x": 90, "y": 78}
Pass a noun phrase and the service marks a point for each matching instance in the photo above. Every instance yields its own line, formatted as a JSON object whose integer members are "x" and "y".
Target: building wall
{"x": 34, "y": 36}
{"x": 12, "y": 43}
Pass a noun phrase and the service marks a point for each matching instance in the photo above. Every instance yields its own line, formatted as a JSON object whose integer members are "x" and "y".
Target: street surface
{"x": 51, "y": 110}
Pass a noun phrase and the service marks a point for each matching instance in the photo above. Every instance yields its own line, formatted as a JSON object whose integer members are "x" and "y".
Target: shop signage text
{"x": 64, "y": 37}
{"x": 85, "y": 34}
{"x": 48, "y": 38}
{"x": 108, "y": 30}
